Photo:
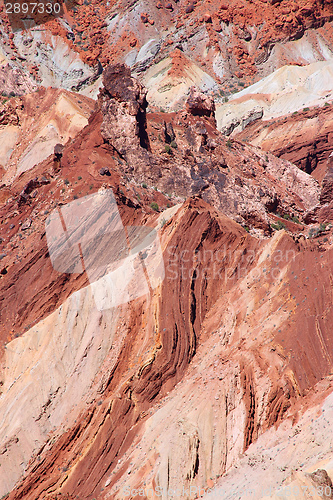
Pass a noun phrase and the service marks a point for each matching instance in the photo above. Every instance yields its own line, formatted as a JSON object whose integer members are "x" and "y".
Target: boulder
{"x": 199, "y": 104}
{"x": 104, "y": 171}
{"x": 58, "y": 149}
{"x": 26, "y": 224}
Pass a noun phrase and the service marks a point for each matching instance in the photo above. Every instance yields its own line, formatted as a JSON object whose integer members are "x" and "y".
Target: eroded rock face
{"x": 238, "y": 39}
{"x": 123, "y": 105}
{"x": 192, "y": 159}
{"x": 177, "y": 386}
{"x": 249, "y": 117}
{"x": 199, "y": 104}
{"x": 196, "y": 373}
{"x": 31, "y": 126}
{"x": 326, "y": 195}
{"x": 15, "y": 81}
{"x": 237, "y": 179}
{"x": 9, "y": 114}
{"x": 308, "y": 148}
{"x": 323, "y": 211}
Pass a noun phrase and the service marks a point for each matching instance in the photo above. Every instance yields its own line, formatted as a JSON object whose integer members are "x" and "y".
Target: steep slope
{"x": 233, "y": 43}
{"x": 31, "y": 125}
{"x": 293, "y": 462}
{"x": 305, "y": 138}
{"x": 220, "y": 360}
{"x": 169, "y": 81}
{"x": 286, "y": 91}
{"x": 235, "y": 315}
{"x": 236, "y": 178}
{"x": 14, "y": 80}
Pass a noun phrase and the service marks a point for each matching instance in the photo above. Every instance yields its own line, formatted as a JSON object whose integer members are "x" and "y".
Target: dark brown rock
{"x": 28, "y": 188}
{"x": 58, "y": 149}
{"x": 104, "y": 171}
{"x": 198, "y": 104}
{"x": 169, "y": 134}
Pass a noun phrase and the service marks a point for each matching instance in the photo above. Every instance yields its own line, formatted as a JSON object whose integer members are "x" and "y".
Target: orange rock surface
{"x": 235, "y": 342}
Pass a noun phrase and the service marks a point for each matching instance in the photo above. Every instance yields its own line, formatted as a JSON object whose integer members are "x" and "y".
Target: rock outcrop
{"x": 198, "y": 104}
{"x": 123, "y": 105}
{"x": 326, "y": 194}
{"x": 228, "y": 175}
{"x": 229, "y": 44}
{"x": 14, "y": 81}
{"x": 323, "y": 211}
{"x": 33, "y": 124}
{"x": 217, "y": 377}
{"x": 249, "y": 117}
{"x": 239, "y": 180}
{"x": 303, "y": 138}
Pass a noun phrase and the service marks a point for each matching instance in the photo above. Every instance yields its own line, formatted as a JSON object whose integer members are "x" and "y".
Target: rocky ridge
{"x": 304, "y": 138}
{"x": 225, "y": 44}
{"x": 194, "y": 159}
{"x": 31, "y": 126}
{"x": 219, "y": 362}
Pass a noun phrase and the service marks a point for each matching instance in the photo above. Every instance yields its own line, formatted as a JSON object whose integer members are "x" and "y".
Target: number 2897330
{"x": 32, "y": 8}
